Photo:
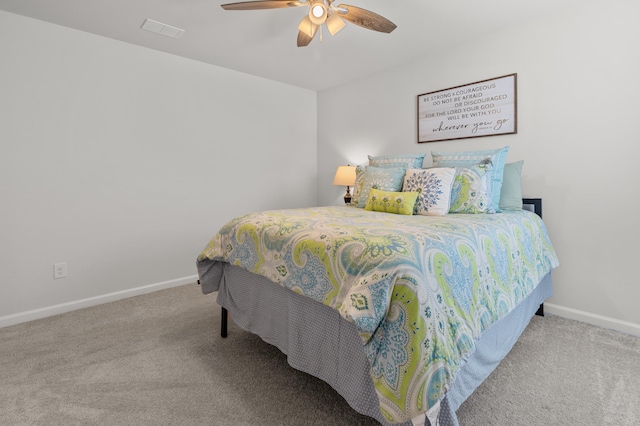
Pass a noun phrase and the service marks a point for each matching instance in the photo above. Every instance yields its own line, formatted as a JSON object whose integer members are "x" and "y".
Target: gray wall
{"x": 124, "y": 161}
{"x": 578, "y": 129}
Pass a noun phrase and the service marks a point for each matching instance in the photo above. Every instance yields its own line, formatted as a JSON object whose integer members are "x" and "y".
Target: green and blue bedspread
{"x": 419, "y": 289}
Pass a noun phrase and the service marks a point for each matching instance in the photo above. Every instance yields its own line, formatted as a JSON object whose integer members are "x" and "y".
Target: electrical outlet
{"x": 59, "y": 270}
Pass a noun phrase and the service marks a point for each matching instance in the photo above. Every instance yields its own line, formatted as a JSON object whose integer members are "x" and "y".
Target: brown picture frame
{"x": 484, "y": 108}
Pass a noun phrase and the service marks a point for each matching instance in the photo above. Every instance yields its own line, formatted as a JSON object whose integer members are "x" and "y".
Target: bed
{"x": 404, "y": 316}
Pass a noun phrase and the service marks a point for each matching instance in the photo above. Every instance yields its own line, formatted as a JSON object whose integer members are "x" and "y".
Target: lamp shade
{"x": 345, "y": 176}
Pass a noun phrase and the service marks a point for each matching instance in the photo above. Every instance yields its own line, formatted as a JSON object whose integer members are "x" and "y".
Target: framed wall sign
{"x": 484, "y": 108}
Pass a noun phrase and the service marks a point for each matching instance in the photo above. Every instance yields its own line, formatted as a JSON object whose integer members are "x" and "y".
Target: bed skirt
{"x": 319, "y": 342}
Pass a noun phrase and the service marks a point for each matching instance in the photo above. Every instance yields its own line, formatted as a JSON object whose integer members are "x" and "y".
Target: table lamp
{"x": 345, "y": 176}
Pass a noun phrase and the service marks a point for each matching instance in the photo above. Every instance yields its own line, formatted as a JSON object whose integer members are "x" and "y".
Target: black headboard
{"x": 533, "y": 205}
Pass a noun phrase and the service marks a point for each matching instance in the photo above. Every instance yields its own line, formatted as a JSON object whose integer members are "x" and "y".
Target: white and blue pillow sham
{"x": 409, "y": 161}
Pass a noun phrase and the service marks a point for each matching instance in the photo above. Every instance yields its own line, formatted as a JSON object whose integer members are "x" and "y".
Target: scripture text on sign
{"x": 484, "y": 108}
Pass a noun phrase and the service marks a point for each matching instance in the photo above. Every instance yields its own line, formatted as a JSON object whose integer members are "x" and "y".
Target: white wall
{"x": 123, "y": 161}
{"x": 578, "y": 90}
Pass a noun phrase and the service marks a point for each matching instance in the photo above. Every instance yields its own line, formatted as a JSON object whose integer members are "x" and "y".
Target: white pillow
{"x": 434, "y": 188}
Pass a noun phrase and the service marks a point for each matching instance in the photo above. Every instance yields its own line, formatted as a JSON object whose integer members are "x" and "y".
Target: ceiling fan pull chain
{"x": 320, "y": 33}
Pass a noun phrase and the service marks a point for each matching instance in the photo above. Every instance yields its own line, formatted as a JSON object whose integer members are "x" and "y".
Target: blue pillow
{"x": 498, "y": 158}
{"x": 382, "y": 178}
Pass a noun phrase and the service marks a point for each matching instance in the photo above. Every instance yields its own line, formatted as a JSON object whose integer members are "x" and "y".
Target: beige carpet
{"x": 158, "y": 359}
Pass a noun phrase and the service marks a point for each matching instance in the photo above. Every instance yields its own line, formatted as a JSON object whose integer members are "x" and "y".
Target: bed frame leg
{"x": 223, "y": 323}
{"x": 540, "y": 311}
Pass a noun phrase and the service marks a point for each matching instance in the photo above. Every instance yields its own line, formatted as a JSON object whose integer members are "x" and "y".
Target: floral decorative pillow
{"x": 472, "y": 189}
{"x": 433, "y": 187}
{"x": 391, "y": 202}
{"x": 498, "y": 158}
{"x": 410, "y": 161}
{"x": 357, "y": 187}
{"x": 382, "y": 178}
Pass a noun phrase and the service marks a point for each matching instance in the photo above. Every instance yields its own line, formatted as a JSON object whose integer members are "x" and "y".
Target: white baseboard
{"x": 8, "y": 320}
{"x": 48, "y": 311}
{"x": 593, "y": 319}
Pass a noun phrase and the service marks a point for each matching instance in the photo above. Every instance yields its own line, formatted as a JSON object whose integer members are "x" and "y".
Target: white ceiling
{"x": 263, "y": 42}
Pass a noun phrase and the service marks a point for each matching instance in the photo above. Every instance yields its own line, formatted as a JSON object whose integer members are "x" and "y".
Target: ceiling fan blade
{"x": 306, "y": 31}
{"x": 263, "y": 4}
{"x": 365, "y": 18}
{"x": 303, "y": 39}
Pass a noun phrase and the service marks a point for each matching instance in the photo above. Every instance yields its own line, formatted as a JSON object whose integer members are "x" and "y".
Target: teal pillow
{"x": 382, "y": 178}
{"x": 471, "y": 191}
{"x": 469, "y": 158}
{"x": 391, "y": 202}
{"x": 511, "y": 192}
{"x": 410, "y": 161}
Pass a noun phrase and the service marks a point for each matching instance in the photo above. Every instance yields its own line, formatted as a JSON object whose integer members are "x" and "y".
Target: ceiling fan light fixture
{"x": 334, "y": 23}
{"x": 318, "y": 13}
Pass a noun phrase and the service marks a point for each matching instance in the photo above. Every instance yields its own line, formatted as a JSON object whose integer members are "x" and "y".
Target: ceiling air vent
{"x": 160, "y": 28}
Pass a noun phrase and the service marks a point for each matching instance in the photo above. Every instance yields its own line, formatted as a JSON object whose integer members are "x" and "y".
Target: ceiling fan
{"x": 321, "y": 12}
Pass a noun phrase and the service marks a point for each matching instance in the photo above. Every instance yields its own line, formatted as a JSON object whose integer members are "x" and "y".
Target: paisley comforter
{"x": 419, "y": 289}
